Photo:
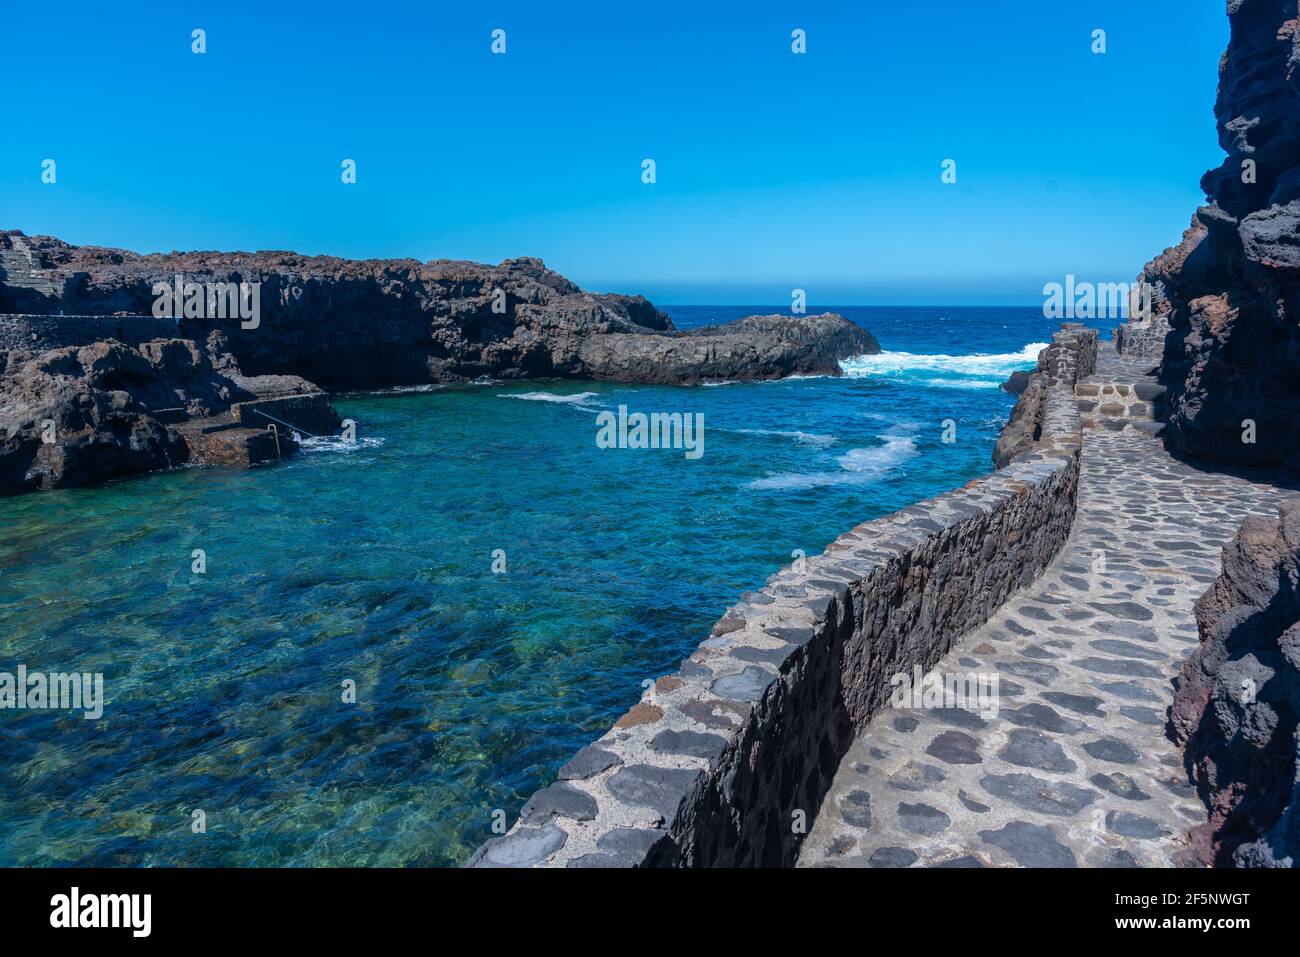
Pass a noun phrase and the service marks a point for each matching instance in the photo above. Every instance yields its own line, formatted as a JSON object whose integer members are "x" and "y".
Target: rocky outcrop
{"x": 1017, "y": 382}
{"x": 1226, "y": 300}
{"x": 366, "y": 323}
{"x": 1071, "y": 354}
{"x": 86, "y": 350}
{"x": 83, "y": 415}
{"x": 1237, "y": 706}
{"x": 756, "y": 347}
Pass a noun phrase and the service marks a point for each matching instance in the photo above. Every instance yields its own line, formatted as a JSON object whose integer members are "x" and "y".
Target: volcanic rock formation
{"x": 94, "y": 383}
{"x": 1226, "y": 301}
{"x": 1237, "y": 706}
{"x": 366, "y": 323}
{"x": 82, "y": 415}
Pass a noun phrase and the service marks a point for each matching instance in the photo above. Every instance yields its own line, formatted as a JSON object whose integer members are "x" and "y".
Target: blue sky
{"x": 775, "y": 171}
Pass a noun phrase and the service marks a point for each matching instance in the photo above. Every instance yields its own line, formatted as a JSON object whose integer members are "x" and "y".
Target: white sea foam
{"x": 962, "y": 383}
{"x": 856, "y": 466}
{"x": 906, "y": 365}
{"x": 577, "y": 398}
{"x": 803, "y": 438}
{"x": 330, "y": 443}
{"x": 410, "y": 389}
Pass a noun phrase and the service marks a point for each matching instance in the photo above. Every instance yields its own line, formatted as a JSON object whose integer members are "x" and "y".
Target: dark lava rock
{"x": 560, "y": 799}
{"x": 1133, "y": 825}
{"x": 1038, "y": 794}
{"x": 922, "y": 819}
{"x": 1113, "y": 750}
{"x": 693, "y": 743}
{"x": 525, "y": 847}
{"x": 364, "y": 323}
{"x": 661, "y": 789}
{"x": 345, "y": 324}
{"x": 855, "y": 809}
{"x": 1223, "y": 303}
{"x": 1237, "y": 705}
{"x": 892, "y": 857}
{"x": 1016, "y": 383}
{"x": 1031, "y": 845}
{"x": 953, "y": 747}
{"x": 587, "y": 763}
{"x": 81, "y": 415}
{"x": 1029, "y": 749}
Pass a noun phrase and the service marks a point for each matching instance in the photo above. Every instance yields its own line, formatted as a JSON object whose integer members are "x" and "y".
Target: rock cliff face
{"x": 89, "y": 390}
{"x": 1237, "y": 706}
{"x": 1226, "y": 300}
{"x": 365, "y": 323}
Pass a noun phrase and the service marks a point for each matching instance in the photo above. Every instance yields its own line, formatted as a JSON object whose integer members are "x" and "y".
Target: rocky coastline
{"x": 1225, "y": 302}
{"x": 718, "y": 760}
{"x": 94, "y": 384}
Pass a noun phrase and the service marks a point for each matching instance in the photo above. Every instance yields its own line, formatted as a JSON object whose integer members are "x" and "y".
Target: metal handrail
{"x": 287, "y": 425}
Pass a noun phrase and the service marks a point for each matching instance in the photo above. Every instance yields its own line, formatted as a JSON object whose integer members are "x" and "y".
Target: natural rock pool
{"x": 374, "y": 563}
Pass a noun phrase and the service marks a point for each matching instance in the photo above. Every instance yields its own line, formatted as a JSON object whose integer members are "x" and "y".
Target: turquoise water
{"x": 374, "y": 564}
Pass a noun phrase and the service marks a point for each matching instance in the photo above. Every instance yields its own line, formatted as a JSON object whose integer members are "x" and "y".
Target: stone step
{"x": 19, "y": 272}
{"x": 217, "y": 442}
{"x": 1117, "y": 405}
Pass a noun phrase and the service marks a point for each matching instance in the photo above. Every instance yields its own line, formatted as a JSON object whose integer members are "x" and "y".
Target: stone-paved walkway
{"x": 1075, "y": 768}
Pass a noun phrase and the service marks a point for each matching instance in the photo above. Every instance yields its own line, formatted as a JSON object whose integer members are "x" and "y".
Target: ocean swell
{"x": 856, "y": 467}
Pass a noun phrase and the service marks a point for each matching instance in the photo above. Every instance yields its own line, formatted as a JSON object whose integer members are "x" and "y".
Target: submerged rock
{"x": 1016, "y": 383}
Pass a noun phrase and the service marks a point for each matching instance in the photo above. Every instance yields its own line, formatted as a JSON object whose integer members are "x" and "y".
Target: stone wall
{"x": 1120, "y": 405}
{"x": 38, "y": 333}
{"x": 725, "y": 762}
{"x": 310, "y": 413}
{"x": 1071, "y": 355}
{"x": 1146, "y": 339}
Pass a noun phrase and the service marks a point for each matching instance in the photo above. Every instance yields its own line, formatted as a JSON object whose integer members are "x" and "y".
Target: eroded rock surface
{"x": 365, "y": 323}
{"x": 80, "y": 348}
{"x": 1238, "y": 701}
{"x": 82, "y": 415}
{"x": 1226, "y": 301}
{"x": 1072, "y": 352}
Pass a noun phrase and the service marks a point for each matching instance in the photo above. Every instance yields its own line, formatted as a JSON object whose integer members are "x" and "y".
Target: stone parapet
{"x": 725, "y": 762}
{"x": 1142, "y": 338}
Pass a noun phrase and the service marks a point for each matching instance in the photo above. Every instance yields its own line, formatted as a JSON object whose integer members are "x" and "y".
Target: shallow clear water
{"x": 374, "y": 564}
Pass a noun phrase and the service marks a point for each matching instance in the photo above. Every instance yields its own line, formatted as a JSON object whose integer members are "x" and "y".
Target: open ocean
{"x": 374, "y": 564}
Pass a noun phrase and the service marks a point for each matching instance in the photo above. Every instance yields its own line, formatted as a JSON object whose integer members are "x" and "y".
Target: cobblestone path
{"x": 1074, "y": 769}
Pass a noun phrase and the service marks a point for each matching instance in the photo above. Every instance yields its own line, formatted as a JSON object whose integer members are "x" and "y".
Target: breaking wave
{"x": 976, "y": 371}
